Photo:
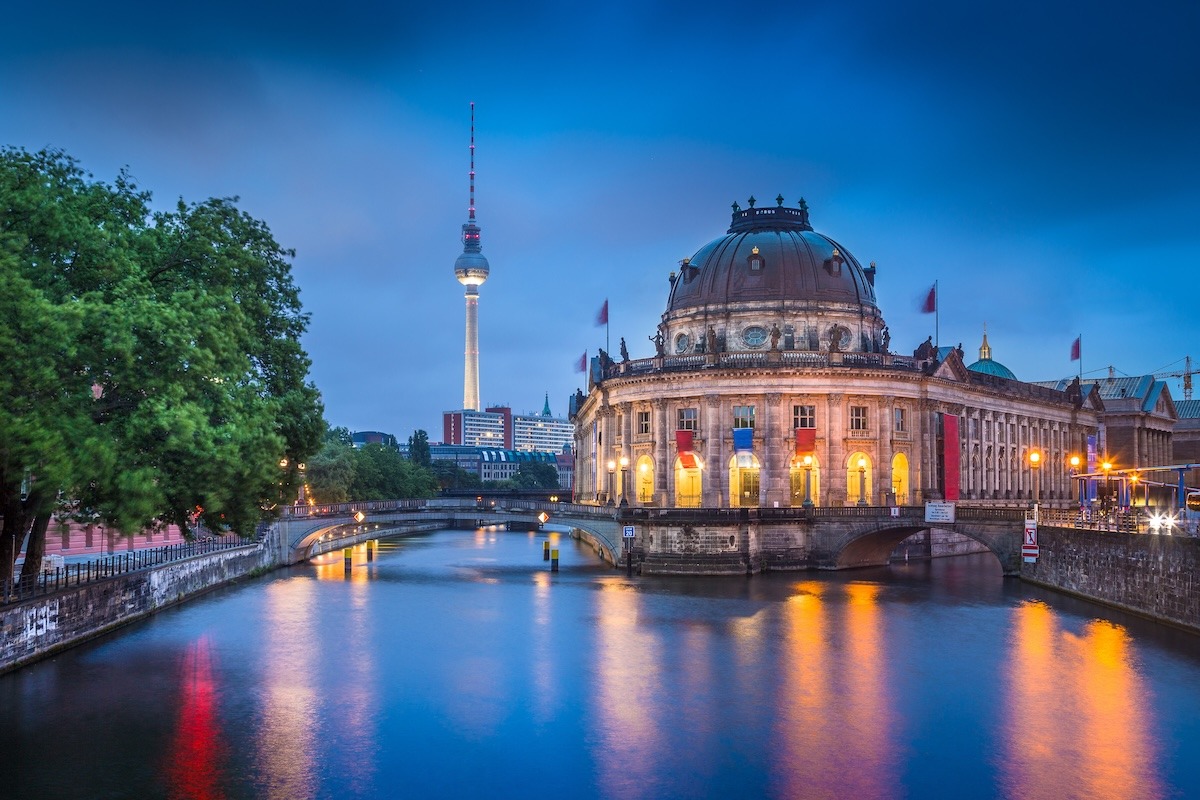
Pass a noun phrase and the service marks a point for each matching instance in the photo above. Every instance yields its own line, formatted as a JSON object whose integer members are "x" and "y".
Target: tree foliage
{"x": 418, "y": 449}
{"x": 339, "y": 472}
{"x": 153, "y": 371}
{"x": 535, "y": 475}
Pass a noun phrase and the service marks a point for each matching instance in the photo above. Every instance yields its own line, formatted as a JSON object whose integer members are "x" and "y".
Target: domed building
{"x": 774, "y": 384}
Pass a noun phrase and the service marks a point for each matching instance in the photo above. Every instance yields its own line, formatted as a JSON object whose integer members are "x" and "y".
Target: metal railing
{"x": 49, "y": 581}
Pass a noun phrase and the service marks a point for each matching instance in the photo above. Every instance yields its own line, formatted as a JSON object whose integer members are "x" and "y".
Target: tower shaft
{"x": 471, "y": 355}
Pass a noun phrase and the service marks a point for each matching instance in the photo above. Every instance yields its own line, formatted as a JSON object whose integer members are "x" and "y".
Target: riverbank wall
{"x": 41, "y": 626}
{"x": 1153, "y": 575}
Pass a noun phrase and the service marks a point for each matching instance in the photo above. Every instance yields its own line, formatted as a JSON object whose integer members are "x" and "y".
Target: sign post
{"x": 1029, "y": 547}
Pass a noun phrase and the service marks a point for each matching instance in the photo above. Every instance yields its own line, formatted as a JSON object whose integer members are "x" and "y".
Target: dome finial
{"x": 736, "y": 208}
{"x": 751, "y": 201}
{"x": 985, "y": 351}
{"x": 779, "y": 200}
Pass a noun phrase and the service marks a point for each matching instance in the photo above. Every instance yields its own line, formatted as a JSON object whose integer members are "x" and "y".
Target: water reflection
{"x": 197, "y": 753}
{"x": 1078, "y": 724}
{"x": 286, "y": 741}
{"x": 835, "y": 734}
{"x": 627, "y": 674}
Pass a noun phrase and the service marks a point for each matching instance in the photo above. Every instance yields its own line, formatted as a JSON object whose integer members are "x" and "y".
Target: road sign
{"x": 628, "y": 531}
{"x": 1029, "y": 545}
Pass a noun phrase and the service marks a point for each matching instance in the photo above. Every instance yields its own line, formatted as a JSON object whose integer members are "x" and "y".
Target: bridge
{"x": 665, "y": 540}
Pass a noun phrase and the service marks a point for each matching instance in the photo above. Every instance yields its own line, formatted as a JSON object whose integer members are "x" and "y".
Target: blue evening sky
{"x": 1040, "y": 160}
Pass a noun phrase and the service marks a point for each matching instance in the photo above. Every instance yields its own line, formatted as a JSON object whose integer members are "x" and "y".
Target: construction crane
{"x": 1186, "y": 374}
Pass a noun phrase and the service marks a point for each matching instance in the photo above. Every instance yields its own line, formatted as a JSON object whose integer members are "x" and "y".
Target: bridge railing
{"x": 49, "y": 581}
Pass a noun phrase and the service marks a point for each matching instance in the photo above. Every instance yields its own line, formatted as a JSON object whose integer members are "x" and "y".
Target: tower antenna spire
{"x": 471, "y": 206}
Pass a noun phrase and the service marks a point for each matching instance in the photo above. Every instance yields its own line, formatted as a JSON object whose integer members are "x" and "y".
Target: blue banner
{"x": 743, "y": 439}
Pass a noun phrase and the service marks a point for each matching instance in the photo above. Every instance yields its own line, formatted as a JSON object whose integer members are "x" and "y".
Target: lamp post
{"x": 612, "y": 467}
{"x": 1107, "y": 504}
{"x": 624, "y": 486}
{"x": 862, "y": 481}
{"x": 1035, "y": 461}
{"x": 808, "y": 503}
{"x": 1074, "y": 462}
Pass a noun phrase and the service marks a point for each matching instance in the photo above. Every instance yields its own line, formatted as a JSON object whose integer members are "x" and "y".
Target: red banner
{"x": 683, "y": 443}
{"x": 806, "y": 441}
{"x": 951, "y": 450}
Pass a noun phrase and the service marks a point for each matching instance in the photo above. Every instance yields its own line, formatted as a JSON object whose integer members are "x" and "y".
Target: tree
{"x": 155, "y": 373}
{"x": 418, "y": 449}
{"x": 536, "y": 475}
{"x": 331, "y": 470}
{"x": 381, "y": 473}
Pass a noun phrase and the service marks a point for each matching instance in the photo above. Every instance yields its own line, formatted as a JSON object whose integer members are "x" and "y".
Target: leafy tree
{"x": 381, "y": 473}
{"x": 331, "y": 471}
{"x": 535, "y": 475}
{"x": 418, "y": 449}
{"x": 154, "y": 373}
{"x": 451, "y": 476}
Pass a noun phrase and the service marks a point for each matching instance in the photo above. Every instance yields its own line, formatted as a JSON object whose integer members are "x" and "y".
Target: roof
{"x": 989, "y": 366}
{"x": 771, "y": 254}
{"x": 1187, "y": 409}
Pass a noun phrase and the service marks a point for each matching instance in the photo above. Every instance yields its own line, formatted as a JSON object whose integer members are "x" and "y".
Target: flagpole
{"x": 1081, "y": 358}
{"x": 937, "y": 313}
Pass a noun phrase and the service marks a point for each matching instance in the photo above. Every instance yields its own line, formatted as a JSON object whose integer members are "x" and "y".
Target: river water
{"x": 457, "y": 665}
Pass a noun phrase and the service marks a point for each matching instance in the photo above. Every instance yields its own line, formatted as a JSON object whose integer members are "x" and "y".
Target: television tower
{"x": 471, "y": 270}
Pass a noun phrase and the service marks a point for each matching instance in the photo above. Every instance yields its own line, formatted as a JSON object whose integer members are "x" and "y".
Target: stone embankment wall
{"x": 36, "y": 628}
{"x": 1150, "y": 574}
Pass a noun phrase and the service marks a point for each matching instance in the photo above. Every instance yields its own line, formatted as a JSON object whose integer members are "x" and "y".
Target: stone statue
{"x": 959, "y": 350}
{"x": 605, "y": 361}
{"x": 624, "y": 350}
{"x": 775, "y": 334}
{"x": 926, "y": 349}
{"x": 887, "y": 338}
{"x": 657, "y": 338}
{"x": 835, "y": 339}
{"x": 710, "y": 340}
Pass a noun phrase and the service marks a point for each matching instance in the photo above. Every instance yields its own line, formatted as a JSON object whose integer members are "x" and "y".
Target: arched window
{"x": 858, "y": 479}
{"x": 644, "y": 477}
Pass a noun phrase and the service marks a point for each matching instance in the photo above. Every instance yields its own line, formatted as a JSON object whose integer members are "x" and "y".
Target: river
{"x": 455, "y": 664}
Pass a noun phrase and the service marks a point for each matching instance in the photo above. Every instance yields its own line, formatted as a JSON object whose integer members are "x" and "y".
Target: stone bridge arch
{"x": 872, "y": 544}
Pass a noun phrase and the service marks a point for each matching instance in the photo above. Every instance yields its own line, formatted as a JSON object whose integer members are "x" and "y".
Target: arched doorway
{"x": 859, "y": 479}
{"x": 645, "y": 481}
{"x": 743, "y": 480}
{"x": 689, "y": 482}
{"x": 796, "y": 473}
{"x": 900, "y": 478}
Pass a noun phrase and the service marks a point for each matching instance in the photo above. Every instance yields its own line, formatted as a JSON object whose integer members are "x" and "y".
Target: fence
{"x": 59, "y": 578}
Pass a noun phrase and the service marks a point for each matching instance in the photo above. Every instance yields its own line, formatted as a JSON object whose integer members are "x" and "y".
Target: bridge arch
{"x": 873, "y": 546}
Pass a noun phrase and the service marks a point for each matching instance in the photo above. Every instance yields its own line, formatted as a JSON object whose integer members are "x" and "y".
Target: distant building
{"x": 543, "y": 433}
{"x": 361, "y": 438}
{"x": 498, "y": 464}
{"x": 474, "y": 428}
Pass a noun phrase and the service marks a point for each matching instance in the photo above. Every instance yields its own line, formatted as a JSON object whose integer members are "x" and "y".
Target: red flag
{"x": 602, "y": 317}
{"x": 930, "y": 304}
{"x": 1075, "y": 348}
{"x": 581, "y": 365}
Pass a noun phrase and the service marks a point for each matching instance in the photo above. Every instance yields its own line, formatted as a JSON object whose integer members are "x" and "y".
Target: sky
{"x": 1039, "y": 160}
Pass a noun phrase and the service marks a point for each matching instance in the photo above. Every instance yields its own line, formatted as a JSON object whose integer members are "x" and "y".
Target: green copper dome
{"x": 987, "y": 366}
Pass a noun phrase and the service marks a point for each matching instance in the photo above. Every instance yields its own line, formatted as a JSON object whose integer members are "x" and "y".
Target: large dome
{"x": 772, "y": 255}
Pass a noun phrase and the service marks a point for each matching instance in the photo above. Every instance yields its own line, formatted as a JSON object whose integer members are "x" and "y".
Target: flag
{"x": 581, "y": 364}
{"x": 1075, "y": 348}
{"x": 930, "y": 304}
{"x": 602, "y": 317}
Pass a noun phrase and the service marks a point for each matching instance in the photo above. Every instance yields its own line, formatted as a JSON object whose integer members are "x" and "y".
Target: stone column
{"x": 775, "y": 486}
{"x": 716, "y": 474}
{"x": 832, "y": 465}
{"x": 883, "y": 470}
{"x": 625, "y": 482}
{"x": 664, "y": 465}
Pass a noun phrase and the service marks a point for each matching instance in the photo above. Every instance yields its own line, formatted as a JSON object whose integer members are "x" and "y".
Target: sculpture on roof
{"x": 887, "y": 338}
{"x": 624, "y": 350}
{"x": 657, "y": 338}
{"x": 775, "y": 334}
{"x": 925, "y": 350}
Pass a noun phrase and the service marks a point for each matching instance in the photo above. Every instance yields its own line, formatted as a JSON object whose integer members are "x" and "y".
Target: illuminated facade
{"x": 774, "y": 385}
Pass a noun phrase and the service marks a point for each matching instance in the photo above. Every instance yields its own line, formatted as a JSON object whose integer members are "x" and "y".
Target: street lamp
{"x": 1035, "y": 461}
{"x": 624, "y": 487}
{"x": 612, "y": 467}
{"x": 862, "y": 481}
{"x": 808, "y": 503}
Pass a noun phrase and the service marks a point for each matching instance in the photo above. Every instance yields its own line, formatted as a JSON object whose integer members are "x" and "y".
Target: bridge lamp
{"x": 808, "y": 503}
{"x": 612, "y": 468}
{"x": 359, "y": 516}
{"x": 862, "y": 481}
{"x": 1106, "y": 466}
{"x": 1035, "y": 461}
{"x": 624, "y": 488}
{"x": 1074, "y": 462}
